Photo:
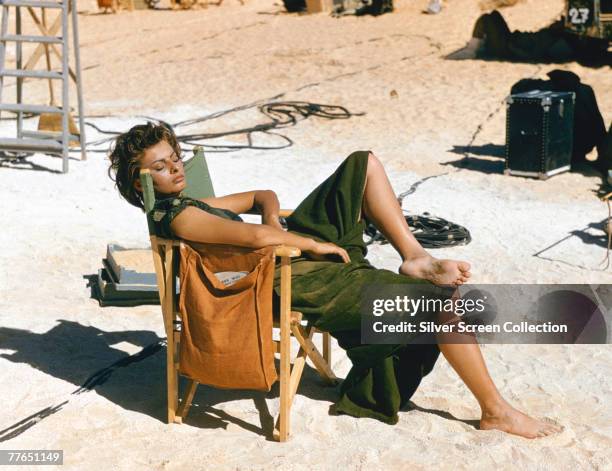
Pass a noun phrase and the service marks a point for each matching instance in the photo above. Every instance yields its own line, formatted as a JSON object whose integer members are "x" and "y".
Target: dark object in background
{"x": 589, "y": 129}
{"x": 553, "y": 43}
{"x": 430, "y": 231}
{"x": 294, "y": 6}
{"x": 590, "y": 18}
{"x": 547, "y": 43}
{"x": 539, "y": 133}
{"x": 375, "y": 7}
{"x": 347, "y": 7}
{"x": 362, "y": 7}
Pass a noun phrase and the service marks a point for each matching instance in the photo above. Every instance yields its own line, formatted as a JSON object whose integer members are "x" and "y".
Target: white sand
{"x": 179, "y": 65}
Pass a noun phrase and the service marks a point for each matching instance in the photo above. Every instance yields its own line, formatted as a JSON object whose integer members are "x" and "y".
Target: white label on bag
{"x": 230, "y": 277}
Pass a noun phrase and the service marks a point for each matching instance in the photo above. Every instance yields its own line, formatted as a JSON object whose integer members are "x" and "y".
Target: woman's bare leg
{"x": 464, "y": 355}
{"x": 466, "y": 359}
{"x": 380, "y": 206}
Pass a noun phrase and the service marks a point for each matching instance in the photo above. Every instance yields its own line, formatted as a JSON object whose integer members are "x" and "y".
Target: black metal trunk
{"x": 539, "y": 133}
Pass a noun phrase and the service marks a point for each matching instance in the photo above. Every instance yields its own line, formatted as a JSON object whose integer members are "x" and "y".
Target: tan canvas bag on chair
{"x": 226, "y": 337}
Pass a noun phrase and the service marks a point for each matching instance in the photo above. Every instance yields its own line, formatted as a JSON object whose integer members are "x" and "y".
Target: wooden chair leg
{"x": 281, "y": 431}
{"x": 298, "y": 369}
{"x": 307, "y": 349}
{"x": 296, "y": 373}
{"x": 326, "y": 347}
{"x": 172, "y": 382}
{"x": 171, "y": 354}
{"x": 294, "y": 381}
{"x": 319, "y": 362}
{"x": 183, "y": 409}
{"x": 179, "y": 413}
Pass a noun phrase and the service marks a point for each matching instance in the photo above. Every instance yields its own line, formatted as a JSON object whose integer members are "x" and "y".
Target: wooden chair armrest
{"x": 287, "y": 251}
{"x": 162, "y": 241}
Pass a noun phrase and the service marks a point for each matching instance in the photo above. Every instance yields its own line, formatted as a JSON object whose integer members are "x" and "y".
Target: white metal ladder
{"x": 42, "y": 141}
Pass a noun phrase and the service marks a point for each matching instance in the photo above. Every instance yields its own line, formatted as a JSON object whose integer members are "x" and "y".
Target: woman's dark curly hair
{"x": 125, "y": 157}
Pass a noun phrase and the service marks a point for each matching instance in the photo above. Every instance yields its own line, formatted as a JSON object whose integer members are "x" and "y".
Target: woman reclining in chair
{"x": 327, "y": 281}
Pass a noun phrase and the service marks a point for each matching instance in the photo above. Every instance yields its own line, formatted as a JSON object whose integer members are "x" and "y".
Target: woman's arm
{"x": 264, "y": 201}
{"x": 199, "y": 226}
{"x": 240, "y": 203}
{"x": 268, "y": 206}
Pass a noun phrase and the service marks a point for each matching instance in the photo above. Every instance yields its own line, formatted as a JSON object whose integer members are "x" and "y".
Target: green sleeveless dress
{"x": 328, "y": 293}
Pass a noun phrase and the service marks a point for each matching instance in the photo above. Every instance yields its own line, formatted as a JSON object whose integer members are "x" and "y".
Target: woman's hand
{"x": 322, "y": 249}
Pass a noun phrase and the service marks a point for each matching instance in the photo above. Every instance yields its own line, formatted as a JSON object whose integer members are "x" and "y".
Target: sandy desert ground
{"x": 421, "y": 114}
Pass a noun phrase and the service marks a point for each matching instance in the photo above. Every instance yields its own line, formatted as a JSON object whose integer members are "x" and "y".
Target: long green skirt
{"x": 328, "y": 293}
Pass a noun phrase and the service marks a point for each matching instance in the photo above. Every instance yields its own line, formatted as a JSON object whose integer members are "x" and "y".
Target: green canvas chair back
{"x": 199, "y": 183}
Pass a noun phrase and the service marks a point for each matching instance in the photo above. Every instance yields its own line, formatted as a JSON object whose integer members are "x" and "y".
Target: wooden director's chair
{"x": 165, "y": 258}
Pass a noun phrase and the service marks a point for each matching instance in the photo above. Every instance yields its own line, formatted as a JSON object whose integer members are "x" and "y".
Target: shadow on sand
{"x": 490, "y": 159}
{"x": 440, "y": 413}
{"x": 591, "y": 61}
{"x": 71, "y": 352}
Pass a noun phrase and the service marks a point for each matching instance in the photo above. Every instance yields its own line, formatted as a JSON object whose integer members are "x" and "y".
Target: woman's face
{"x": 166, "y": 168}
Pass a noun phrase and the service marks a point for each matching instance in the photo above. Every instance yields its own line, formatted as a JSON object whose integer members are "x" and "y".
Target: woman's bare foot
{"x": 439, "y": 272}
{"x": 506, "y": 418}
